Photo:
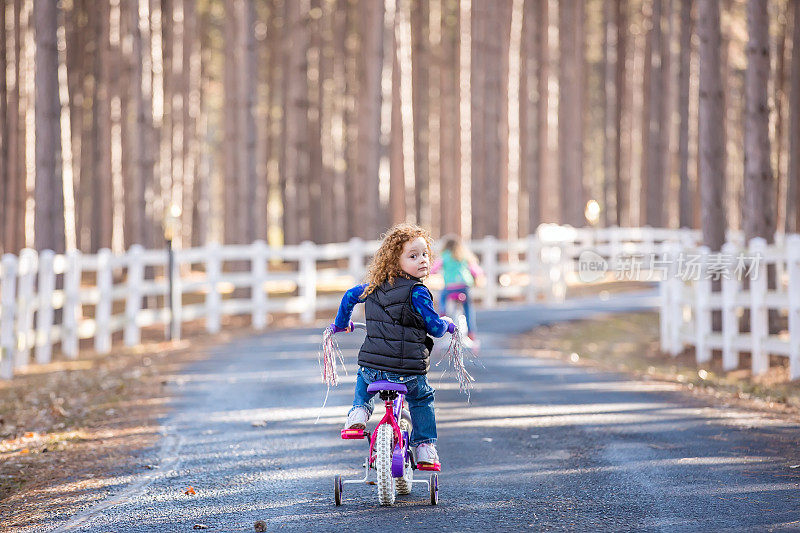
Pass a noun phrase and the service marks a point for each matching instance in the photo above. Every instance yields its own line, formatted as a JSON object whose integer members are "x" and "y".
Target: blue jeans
{"x": 468, "y": 312}
{"x": 419, "y": 398}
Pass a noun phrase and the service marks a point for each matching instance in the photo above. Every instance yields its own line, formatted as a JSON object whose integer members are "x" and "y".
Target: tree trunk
{"x": 533, "y": 111}
{"x": 646, "y": 106}
{"x": 49, "y": 218}
{"x": 610, "y": 164}
{"x": 758, "y": 214}
{"x": 542, "y": 128}
{"x": 3, "y": 122}
{"x": 686, "y": 196}
{"x": 295, "y": 154}
{"x": 622, "y": 182}
{"x": 779, "y": 99}
{"x": 12, "y": 167}
{"x": 76, "y": 33}
{"x": 85, "y": 124}
{"x": 793, "y": 189}
{"x": 491, "y": 40}
{"x": 166, "y": 160}
{"x": 397, "y": 178}
{"x": 191, "y": 90}
{"x": 204, "y": 207}
{"x": 352, "y": 47}
{"x": 711, "y": 122}
{"x": 498, "y": 83}
{"x": 420, "y": 84}
{"x": 315, "y": 81}
{"x": 656, "y": 115}
{"x": 369, "y": 118}
{"x": 342, "y": 99}
{"x": 450, "y": 120}
{"x": 246, "y": 85}
{"x": 570, "y": 112}
{"x": 478, "y": 64}
{"x": 101, "y": 160}
{"x": 232, "y": 141}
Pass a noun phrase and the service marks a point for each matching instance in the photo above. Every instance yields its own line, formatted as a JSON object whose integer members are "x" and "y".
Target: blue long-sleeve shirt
{"x": 420, "y": 299}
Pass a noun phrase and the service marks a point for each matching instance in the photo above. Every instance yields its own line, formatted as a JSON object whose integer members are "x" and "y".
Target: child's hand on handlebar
{"x": 451, "y": 326}
{"x": 335, "y": 329}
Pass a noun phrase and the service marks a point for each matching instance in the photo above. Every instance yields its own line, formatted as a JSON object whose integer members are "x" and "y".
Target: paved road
{"x": 542, "y": 446}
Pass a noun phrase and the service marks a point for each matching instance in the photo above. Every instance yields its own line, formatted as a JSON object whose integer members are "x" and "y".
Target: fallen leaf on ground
{"x": 200, "y": 526}
{"x": 261, "y": 526}
{"x": 190, "y": 490}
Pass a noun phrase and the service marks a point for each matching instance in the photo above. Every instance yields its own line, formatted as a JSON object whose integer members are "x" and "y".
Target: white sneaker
{"x": 357, "y": 419}
{"x": 426, "y": 453}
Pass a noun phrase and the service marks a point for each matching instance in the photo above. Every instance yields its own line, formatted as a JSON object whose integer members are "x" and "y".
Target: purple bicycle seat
{"x": 382, "y": 384}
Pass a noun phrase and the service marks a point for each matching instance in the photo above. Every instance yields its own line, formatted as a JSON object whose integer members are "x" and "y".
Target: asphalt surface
{"x": 541, "y": 446}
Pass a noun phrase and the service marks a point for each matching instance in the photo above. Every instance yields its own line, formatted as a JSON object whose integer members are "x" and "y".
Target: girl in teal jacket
{"x": 459, "y": 269}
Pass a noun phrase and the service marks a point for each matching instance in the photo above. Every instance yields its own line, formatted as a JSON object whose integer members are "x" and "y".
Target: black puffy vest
{"x": 397, "y": 340}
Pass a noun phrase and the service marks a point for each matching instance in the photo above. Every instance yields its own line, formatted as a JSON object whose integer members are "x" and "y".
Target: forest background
{"x": 292, "y": 120}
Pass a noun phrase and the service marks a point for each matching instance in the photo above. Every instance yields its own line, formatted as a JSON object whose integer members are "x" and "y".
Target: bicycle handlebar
{"x": 359, "y": 325}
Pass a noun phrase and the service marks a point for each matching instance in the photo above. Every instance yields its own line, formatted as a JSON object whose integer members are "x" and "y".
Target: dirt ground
{"x": 630, "y": 343}
{"x": 68, "y": 424}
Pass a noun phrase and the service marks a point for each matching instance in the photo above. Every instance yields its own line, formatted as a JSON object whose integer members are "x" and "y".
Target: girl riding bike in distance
{"x": 460, "y": 270}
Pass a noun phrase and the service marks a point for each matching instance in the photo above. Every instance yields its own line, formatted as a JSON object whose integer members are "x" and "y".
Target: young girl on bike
{"x": 400, "y": 319}
{"x": 459, "y": 269}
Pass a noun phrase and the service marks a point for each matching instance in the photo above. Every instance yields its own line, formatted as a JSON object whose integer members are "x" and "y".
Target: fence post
{"x": 259, "y": 294}
{"x": 730, "y": 328}
{"x": 308, "y": 281}
{"x": 44, "y": 314}
{"x": 176, "y": 296}
{"x": 133, "y": 299}
{"x": 28, "y": 264}
{"x": 105, "y": 286}
{"x": 8, "y": 292}
{"x": 534, "y": 266}
{"x": 702, "y": 318}
{"x": 792, "y": 247}
{"x": 356, "y": 260}
{"x": 648, "y": 241}
{"x": 676, "y": 290}
{"x": 615, "y": 247}
{"x": 72, "y": 305}
{"x": 213, "y": 298}
{"x": 555, "y": 272}
{"x": 666, "y": 300}
{"x": 489, "y": 261}
{"x": 759, "y": 319}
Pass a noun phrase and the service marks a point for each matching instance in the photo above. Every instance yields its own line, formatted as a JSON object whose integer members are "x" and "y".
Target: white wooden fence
{"x": 688, "y": 301}
{"x": 48, "y": 299}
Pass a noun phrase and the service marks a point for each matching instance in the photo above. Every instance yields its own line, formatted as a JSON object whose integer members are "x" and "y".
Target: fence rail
{"x": 49, "y": 299}
{"x": 688, "y": 305}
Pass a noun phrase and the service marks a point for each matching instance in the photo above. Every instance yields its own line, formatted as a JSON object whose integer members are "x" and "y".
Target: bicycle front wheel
{"x": 384, "y": 444}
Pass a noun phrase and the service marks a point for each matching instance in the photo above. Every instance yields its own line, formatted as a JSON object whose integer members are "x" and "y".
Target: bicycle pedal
{"x": 436, "y": 467}
{"x": 353, "y": 434}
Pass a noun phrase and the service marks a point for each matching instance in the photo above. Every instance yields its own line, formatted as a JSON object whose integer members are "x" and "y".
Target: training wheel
{"x": 434, "y": 487}
{"x": 337, "y": 489}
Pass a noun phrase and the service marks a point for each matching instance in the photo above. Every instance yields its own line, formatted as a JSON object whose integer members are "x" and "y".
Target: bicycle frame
{"x": 394, "y": 410}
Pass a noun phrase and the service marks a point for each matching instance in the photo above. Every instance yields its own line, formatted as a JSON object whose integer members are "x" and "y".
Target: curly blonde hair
{"x": 385, "y": 266}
